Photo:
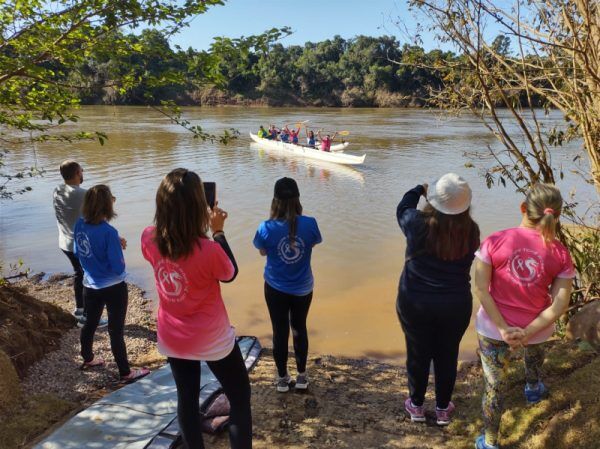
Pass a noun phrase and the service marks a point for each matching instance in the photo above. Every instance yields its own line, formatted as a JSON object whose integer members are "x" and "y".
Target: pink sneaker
{"x": 417, "y": 414}
{"x": 445, "y": 416}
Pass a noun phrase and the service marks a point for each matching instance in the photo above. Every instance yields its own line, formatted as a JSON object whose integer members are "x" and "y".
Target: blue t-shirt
{"x": 99, "y": 250}
{"x": 285, "y": 137}
{"x": 288, "y": 268}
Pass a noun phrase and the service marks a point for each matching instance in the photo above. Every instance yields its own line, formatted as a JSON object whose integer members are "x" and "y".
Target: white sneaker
{"x": 301, "y": 381}
{"x": 283, "y": 384}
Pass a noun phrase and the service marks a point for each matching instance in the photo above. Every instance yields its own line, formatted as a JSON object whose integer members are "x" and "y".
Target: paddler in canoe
{"x": 311, "y": 141}
{"x": 326, "y": 141}
{"x": 294, "y": 134}
{"x": 273, "y": 132}
{"x": 262, "y": 132}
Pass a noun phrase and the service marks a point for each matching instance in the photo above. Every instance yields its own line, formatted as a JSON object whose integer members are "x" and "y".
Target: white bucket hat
{"x": 450, "y": 194}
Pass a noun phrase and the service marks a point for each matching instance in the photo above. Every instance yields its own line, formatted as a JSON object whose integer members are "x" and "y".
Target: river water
{"x": 358, "y": 264}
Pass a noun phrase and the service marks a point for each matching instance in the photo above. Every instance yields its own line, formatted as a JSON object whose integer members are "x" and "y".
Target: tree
{"x": 556, "y": 59}
{"x": 42, "y": 41}
{"x": 554, "y": 62}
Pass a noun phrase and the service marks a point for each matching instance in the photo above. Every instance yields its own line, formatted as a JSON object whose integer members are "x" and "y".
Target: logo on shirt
{"x": 84, "y": 247}
{"x": 171, "y": 281}
{"x": 526, "y": 266}
{"x": 290, "y": 254}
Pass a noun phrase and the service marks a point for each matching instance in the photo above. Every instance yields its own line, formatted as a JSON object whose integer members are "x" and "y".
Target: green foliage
{"x": 15, "y": 270}
{"x": 56, "y": 55}
{"x": 363, "y": 71}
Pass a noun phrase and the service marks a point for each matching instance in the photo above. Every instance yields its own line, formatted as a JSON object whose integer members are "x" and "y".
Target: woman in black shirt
{"x": 434, "y": 301}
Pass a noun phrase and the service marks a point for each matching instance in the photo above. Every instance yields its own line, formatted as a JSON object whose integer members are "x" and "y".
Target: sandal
{"x": 96, "y": 362}
{"x": 135, "y": 374}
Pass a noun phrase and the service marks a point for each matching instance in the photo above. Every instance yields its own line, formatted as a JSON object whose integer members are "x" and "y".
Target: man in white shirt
{"x": 68, "y": 202}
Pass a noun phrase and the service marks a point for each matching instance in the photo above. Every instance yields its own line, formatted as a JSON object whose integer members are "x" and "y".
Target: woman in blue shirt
{"x": 100, "y": 252}
{"x": 287, "y": 239}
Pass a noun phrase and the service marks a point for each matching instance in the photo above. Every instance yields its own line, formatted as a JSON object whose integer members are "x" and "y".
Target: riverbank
{"x": 350, "y": 403}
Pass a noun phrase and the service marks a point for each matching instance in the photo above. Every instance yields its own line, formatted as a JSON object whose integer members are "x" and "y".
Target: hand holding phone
{"x": 217, "y": 219}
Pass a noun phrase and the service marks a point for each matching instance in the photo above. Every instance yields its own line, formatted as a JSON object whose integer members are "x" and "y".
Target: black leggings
{"x": 115, "y": 297}
{"x": 433, "y": 330}
{"x": 78, "y": 281}
{"x": 286, "y": 309}
{"x": 231, "y": 373}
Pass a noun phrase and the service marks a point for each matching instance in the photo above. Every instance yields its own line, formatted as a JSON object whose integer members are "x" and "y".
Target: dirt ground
{"x": 350, "y": 403}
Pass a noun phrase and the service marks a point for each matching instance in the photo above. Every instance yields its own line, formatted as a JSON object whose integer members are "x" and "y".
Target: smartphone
{"x": 210, "y": 191}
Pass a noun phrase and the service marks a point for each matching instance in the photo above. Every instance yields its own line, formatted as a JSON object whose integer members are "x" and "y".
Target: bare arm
{"x": 483, "y": 278}
{"x": 263, "y": 252}
{"x": 333, "y": 137}
{"x": 561, "y": 295}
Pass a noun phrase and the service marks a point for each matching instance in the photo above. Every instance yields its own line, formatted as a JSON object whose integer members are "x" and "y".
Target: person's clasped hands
{"x": 515, "y": 337}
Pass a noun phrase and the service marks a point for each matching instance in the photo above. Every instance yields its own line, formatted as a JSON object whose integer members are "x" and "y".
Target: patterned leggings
{"x": 495, "y": 358}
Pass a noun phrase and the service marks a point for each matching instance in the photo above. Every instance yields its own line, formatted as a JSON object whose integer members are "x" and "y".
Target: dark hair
{"x": 98, "y": 204}
{"x": 69, "y": 169}
{"x": 450, "y": 237}
{"x": 288, "y": 210}
{"x": 181, "y": 216}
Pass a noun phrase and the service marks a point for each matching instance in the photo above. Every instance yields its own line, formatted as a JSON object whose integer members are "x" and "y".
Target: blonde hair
{"x": 543, "y": 206}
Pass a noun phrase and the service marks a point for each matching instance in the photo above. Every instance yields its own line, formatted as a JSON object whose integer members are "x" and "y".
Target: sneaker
{"x": 444, "y": 416}
{"x": 417, "y": 414}
{"x": 283, "y": 384}
{"x": 481, "y": 444}
{"x": 78, "y": 313}
{"x": 102, "y": 323}
{"x": 536, "y": 394}
{"x": 301, "y": 381}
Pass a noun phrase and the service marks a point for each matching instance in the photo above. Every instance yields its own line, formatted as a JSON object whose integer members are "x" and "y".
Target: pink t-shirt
{"x": 192, "y": 321}
{"x": 523, "y": 269}
{"x": 326, "y": 144}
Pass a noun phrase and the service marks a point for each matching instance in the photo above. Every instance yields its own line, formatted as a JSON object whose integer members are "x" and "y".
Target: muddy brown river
{"x": 357, "y": 266}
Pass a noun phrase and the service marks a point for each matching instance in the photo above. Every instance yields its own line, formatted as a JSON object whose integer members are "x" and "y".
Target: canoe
{"x": 336, "y": 155}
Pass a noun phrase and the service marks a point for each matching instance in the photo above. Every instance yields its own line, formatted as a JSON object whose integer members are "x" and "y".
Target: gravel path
{"x": 58, "y": 372}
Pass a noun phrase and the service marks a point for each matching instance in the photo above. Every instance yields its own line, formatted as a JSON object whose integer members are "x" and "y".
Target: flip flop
{"x": 96, "y": 362}
{"x": 135, "y": 374}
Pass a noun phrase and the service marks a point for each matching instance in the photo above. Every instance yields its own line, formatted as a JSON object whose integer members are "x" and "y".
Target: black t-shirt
{"x": 426, "y": 277}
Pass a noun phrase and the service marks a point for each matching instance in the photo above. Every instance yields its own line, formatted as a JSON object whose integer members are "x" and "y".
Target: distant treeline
{"x": 359, "y": 72}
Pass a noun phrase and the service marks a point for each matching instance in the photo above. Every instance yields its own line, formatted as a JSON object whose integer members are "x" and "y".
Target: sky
{"x": 310, "y": 20}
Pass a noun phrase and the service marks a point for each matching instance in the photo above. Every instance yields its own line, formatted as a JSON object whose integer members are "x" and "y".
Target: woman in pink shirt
{"x": 192, "y": 323}
{"x": 326, "y": 141}
{"x": 523, "y": 280}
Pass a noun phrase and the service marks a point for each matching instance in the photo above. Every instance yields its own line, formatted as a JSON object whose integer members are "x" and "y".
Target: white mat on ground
{"x": 133, "y": 415}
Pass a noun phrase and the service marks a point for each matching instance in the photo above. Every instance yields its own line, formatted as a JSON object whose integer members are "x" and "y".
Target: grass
{"x": 31, "y": 417}
{"x": 567, "y": 419}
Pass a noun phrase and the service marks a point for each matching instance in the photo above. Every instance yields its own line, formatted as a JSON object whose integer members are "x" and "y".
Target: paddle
{"x": 298, "y": 124}
{"x": 339, "y": 133}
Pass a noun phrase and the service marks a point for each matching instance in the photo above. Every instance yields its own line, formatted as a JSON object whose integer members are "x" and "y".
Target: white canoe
{"x": 337, "y": 155}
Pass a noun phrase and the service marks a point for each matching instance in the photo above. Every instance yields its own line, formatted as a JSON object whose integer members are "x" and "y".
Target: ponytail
{"x": 543, "y": 207}
{"x": 547, "y": 226}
